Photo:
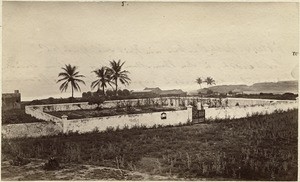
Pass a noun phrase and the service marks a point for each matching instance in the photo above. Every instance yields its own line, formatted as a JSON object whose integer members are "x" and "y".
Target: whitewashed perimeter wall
{"x": 241, "y": 111}
{"x": 252, "y": 102}
{"x": 39, "y": 114}
{"x": 165, "y": 101}
{"x": 31, "y": 130}
{"x": 146, "y": 119}
{"x": 62, "y": 107}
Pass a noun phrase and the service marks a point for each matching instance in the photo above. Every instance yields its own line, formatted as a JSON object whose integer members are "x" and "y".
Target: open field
{"x": 34, "y": 171}
{"x": 261, "y": 147}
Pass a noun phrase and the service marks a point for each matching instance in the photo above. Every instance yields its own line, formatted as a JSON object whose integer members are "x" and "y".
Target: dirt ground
{"x": 34, "y": 171}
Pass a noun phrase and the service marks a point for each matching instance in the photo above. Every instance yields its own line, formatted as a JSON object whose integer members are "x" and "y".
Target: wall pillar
{"x": 190, "y": 112}
{"x": 169, "y": 102}
{"x": 64, "y": 119}
{"x": 186, "y": 102}
{"x": 199, "y": 106}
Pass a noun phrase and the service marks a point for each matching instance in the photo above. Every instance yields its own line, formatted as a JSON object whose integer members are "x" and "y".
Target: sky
{"x": 166, "y": 45}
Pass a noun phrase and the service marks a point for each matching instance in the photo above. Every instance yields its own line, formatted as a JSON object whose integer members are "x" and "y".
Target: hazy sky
{"x": 164, "y": 44}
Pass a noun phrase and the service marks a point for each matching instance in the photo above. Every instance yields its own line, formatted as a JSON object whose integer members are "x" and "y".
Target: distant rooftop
{"x": 142, "y": 91}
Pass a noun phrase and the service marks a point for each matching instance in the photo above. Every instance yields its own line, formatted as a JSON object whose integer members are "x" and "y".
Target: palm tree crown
{"x": 103, "y": 75}
{"x": 117, "y": 74}
{"x": 210, "y": 81}
{"x": 70, "y": 75}
{"x": 199, "y": 81}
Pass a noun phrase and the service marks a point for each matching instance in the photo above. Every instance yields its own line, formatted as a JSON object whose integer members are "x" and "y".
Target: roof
{"x": 156, "y": 90}
{"x": 142, "y": 91}
{"x": 237, "y": 90}
{"x": 174, "y": 91}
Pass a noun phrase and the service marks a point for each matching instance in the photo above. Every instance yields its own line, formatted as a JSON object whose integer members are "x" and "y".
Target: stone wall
{"x": 159, "y": 101}
{"x": 39, "y": 114}
{"x": 62, "y": 107}
{"x": 246, "y": 111}
{"x": 55, "y": 125}
{"x": 146, "y": 119}
{"x": 31, "y": 129}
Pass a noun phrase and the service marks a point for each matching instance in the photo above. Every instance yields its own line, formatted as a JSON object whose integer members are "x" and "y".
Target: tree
{"x": 126, "y": 92}
{"x": 210, "y": 81}
{"x": 109, "y": 93}
{"x": 209, "y": 92}
{"x": 117, "y": 74}
{"x": 199, "y": 81}
{"x": 103, "y": 75}
{"x": 70, "y": 75}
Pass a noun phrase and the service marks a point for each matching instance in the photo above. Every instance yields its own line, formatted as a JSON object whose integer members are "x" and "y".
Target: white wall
{"x": 244, "y": 111}
{"x": 147, "y": 119}
{"x": 63, "y": 107}
{"x": 39, "y": 114}
{"x": 31, "y": 129}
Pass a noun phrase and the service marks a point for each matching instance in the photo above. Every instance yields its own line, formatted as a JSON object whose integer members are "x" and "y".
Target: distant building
{"x": 174, "y": 92}
{"x": 143, "y": 93}
{"x": 237, "y": 91}
{"x": 11, "y": 100}
{"x": 158, "y": 92}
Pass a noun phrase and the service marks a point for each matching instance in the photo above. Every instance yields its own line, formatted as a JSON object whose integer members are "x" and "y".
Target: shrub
{"x": 52, "y": 164}
{"x": 19, "y": 161}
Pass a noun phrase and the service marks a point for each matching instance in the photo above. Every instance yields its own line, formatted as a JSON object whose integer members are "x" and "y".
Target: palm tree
{"x": 117, "y": 74}
{"x": 103, "y": 75}
{"x": 210, "y": 81}
{"x": 70, "y": 75}
{"x": 199, "y": 81}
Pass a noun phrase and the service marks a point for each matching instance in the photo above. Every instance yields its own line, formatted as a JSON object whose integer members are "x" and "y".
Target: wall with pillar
{"x": 130, "y": 120}
{"x": 247, "y": 111}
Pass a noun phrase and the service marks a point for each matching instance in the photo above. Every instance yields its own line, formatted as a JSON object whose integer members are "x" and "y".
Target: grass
{"x": 15, "y": 116}
{"x": 261, "y": 147}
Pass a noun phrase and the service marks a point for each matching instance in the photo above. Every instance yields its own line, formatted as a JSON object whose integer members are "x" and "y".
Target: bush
{"x": 52, "y": 164}
{"x": 19, "y": 161}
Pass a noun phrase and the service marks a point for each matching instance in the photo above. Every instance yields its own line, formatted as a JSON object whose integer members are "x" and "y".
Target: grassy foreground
{"x": 255, "y": 148}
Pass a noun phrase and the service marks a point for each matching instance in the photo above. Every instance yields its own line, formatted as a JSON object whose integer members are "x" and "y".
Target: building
{"x": 11, "y": 100}
{"x": 143, "y": 93}
{"x": 174, "y": 92}
{"x": 156, "y": 90}
{"x": 237, "y": 91}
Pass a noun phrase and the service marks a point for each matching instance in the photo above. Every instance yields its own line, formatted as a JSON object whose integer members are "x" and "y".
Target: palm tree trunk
{"x": 72, "y": 92}
{"x": 103, "y": 90}
{"x": 116, "y": 87}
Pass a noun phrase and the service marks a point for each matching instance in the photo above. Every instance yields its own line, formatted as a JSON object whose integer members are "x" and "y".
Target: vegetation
{"x": 199, "y": 81}
{"x": 108, "y": 112}
{"x": 262, "y": 147}
{"x": 103, "y": 79}
{"x": 285, "y": 96}
{"x": 210, "y": 81}
{"x": 16, "y": 116}
{"x": 70, "y": 75}
{"x": 117, "y": 74}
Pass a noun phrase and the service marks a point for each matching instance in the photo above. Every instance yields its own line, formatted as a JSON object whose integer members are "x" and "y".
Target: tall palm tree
{"x": 103, "y": 75}
{"x": 117, "y": 74}
{"x": 210, "y": 81}
{"x": 199, "y": 81}
{"x": 70, "y": 75}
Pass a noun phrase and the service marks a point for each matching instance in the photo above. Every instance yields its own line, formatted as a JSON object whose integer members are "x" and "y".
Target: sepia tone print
{"x": 150, "y": 91}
